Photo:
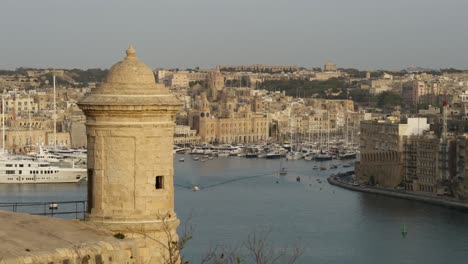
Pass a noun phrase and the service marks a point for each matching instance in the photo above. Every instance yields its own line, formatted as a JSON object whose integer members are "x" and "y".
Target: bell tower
{"x": 130, "y": 125}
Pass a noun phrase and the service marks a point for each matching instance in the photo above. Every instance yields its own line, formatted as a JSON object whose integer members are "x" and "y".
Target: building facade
{"x": 232, "y": 122}
{"x": 383, "y": 151}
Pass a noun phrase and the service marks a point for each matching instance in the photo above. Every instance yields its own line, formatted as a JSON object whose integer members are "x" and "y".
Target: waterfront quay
{"x": 445, "y": 201}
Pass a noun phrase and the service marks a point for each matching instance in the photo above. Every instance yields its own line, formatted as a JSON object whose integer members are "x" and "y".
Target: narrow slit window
{"x": 159, "y": 182}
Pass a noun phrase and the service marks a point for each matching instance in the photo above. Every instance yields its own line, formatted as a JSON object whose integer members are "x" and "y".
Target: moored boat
{"x": 18, "y": 170}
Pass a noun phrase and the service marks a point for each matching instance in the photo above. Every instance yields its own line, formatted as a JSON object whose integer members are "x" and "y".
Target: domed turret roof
{"x": 130, "y": 71}
{"x": 130, "y": 85}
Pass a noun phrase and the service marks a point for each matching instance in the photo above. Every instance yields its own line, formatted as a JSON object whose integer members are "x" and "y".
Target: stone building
{"x": 383, "y": 153}
{"x": 184, "y": 135}
{"x": 196, "y": 76}
{"x": 424, "y": 92}
{"x": 329, "y": 67}
{"x": 21, "y": 140}
{"x": 215, "y": 83}
{"x": 259, "y": 68}
{"x": 232, "y": 122}
{"x": 20, "y": 104}
{"x": 130, "y": 126}
{"x": 18, "y": 82}
{"x": 179, "y": 80}
{"x": 429, "y": 163}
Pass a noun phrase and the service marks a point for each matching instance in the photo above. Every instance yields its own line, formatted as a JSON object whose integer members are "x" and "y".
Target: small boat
{"x": 196, "y": 158}
{"x": 323, "y": 157}
{"x": 298, "y": 179}
{"x": 347, "y": 155}
{"x": 53, "y": 206}
{"x": 273, "y": 155}
{"x": 323, "y": 168}
{"x": 251, "y": 155}
{"x": 195, "y": 188}
{"x": 181, "y": 160}
{"x": 210, "y": 158}
{"x": 294, "y": 155}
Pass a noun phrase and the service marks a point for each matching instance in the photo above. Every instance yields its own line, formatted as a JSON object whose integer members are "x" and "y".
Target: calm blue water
{"x": 333, "y": 225}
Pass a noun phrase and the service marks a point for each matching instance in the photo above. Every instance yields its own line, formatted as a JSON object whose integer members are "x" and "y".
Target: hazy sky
{"x": 366, "y": 34}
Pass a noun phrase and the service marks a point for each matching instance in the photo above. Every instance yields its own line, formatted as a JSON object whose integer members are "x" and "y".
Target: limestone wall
{"x": 37, "y": 239}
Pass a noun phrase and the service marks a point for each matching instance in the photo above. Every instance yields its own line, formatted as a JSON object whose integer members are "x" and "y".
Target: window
{"x": 159, "y": 182}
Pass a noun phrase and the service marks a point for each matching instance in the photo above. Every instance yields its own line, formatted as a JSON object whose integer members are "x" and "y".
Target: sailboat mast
{"x": 3, "y": 123}
{"x": 29, "y": 117}
{"x": 290, "y": 132}
{"x": 328, "y": 130}
{"x": 55, "y": 118}
{"x": 346, "y": 138}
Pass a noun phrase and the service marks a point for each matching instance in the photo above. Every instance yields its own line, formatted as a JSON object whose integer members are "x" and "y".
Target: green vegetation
{"x": 89, "y": 75}
{"x": 362, "y": 96}
{"x": 7, "y": 72}
{"x": 389, "y": 100}
{"x": 451, "y": 70}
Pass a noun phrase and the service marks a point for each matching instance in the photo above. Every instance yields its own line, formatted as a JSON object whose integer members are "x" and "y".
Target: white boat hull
{"x": 62, "y": 176}
{"x": 17, "y": 170}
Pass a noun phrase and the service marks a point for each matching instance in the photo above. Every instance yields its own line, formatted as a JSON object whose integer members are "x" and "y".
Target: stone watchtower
{"x": 130, "y": 126}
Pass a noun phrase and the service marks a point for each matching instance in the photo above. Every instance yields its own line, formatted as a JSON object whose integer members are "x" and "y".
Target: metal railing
{"x": 64, "y": 209}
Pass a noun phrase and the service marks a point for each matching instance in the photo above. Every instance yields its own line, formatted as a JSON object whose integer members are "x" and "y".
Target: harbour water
{"x": 239, "y": 196}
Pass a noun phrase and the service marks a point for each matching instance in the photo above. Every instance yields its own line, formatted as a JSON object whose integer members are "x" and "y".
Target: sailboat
{"x": 293, "y": 154}
{"x": 325, "y": 155}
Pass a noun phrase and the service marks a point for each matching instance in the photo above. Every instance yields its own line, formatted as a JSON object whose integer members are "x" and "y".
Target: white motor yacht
{"x": 19, "y": 170}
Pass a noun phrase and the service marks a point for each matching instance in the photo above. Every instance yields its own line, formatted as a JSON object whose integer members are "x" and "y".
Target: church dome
{"x": 130, "y": 71}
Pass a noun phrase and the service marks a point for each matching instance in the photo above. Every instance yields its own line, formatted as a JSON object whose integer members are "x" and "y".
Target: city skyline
{"x": 362, "y": 34}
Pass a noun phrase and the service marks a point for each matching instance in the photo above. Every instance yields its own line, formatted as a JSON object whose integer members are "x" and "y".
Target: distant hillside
{"x": 72, "y": 78}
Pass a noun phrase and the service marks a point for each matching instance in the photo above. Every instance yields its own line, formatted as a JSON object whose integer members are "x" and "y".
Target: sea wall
{"x": 435, "y": 200}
